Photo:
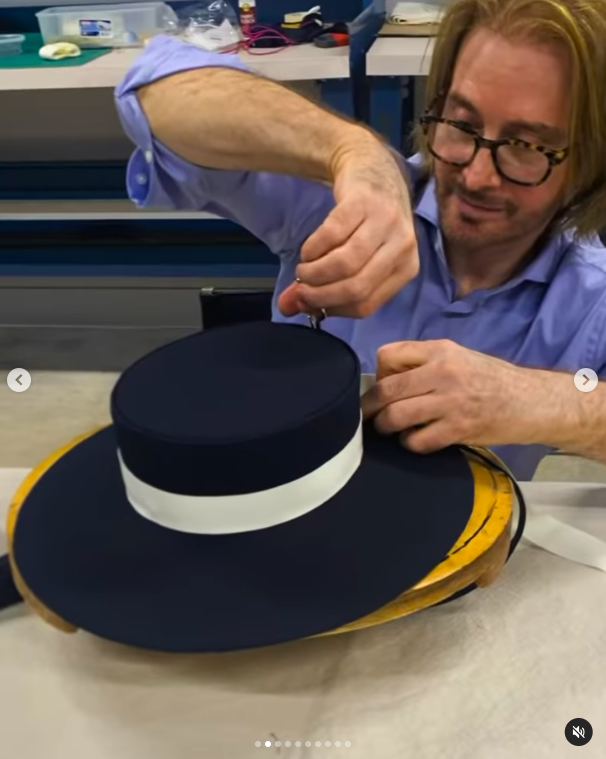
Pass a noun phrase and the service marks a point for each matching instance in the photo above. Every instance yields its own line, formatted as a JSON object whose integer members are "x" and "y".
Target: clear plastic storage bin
{"x": 93, "y": 26}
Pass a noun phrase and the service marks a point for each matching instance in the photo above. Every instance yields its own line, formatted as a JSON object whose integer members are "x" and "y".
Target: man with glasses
{"x": 470, "y": 277}
{"x": 457, "y": 142}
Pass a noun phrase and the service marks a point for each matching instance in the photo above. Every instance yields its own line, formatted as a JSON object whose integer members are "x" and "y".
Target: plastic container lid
{"x": 11, "y": 39}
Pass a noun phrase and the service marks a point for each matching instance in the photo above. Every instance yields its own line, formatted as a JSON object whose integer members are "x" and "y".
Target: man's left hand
{"x": 438, "y": 393}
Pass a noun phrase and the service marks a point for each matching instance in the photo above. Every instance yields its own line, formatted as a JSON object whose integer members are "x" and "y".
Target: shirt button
{"x": 141, "y": 179}
{"x": 149, "y": 156}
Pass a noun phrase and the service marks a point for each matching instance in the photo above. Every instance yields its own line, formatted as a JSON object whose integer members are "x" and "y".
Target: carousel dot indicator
{"x": 258, "y": 744}
{"x": 297, "y": 743}
{"x": 287, "y": 744}
{"x": 338, "y": 744}
{"x": 308, "y": 743}
{"x": 348, "y": 744}
{"x": 268, "y": 743}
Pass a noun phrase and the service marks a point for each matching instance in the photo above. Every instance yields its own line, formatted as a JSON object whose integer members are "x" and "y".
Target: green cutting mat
{"x": 29, "y": 58}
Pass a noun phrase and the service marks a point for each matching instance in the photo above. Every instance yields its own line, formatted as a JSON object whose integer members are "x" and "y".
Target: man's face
{"x": 503, "y": 89}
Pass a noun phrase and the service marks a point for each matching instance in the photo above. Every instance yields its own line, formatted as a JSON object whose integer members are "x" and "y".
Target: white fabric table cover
{"x": 495, "y": 675}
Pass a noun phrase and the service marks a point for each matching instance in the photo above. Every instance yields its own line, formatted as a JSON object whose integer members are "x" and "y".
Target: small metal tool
{"x": 316, "y": 320}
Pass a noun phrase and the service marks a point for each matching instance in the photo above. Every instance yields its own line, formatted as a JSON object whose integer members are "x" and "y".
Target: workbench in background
{"x": 79, "y": 262}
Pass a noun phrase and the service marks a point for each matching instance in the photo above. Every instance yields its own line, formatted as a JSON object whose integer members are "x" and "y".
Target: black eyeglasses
{"x": 457, "y": 143}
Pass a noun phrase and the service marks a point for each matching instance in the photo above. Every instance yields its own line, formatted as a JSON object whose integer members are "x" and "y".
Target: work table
{"x": 297, "y": 63}
{"x": 496, "y": 674}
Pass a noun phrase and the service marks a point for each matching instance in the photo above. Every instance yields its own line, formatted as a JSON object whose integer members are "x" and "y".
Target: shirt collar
{"x": 543, "y": 266}
{"x": 427, "y": 205}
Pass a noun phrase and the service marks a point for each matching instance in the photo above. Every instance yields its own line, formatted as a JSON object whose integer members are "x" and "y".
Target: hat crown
{"x": 237, "y": 409}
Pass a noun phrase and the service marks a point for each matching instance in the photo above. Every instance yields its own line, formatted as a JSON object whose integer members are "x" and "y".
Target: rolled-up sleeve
{"x": 281, "y": 211}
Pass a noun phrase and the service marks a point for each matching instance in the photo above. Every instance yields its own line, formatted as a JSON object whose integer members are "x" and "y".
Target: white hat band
{"x": 215, "y": 515}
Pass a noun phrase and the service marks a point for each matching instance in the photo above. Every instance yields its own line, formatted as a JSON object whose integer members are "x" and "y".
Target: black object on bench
{"x": 234, "y": 306}
{"x": 9, "y": 595}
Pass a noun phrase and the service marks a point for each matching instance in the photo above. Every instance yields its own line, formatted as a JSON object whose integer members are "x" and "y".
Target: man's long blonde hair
{"x": 580, "y": 27}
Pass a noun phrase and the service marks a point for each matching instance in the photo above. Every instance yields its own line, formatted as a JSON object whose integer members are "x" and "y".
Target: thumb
{"x": 289, "y": 302}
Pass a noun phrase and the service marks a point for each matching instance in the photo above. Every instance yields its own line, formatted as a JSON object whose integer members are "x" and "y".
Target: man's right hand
{"x": 225, "y": 119}
{"x": 366, "y": 250}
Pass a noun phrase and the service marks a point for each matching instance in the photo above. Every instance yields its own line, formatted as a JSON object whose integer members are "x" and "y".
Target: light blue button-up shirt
{"x": 551, "y": 316}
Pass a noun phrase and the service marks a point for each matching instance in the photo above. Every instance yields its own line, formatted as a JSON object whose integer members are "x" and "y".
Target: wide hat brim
{"x": 88, "y": 556}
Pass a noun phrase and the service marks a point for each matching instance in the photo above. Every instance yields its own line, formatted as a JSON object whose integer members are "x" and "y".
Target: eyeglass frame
{"x": 554, "y": 157}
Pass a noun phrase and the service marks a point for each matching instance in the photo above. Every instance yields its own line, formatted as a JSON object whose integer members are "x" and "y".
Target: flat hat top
{"x": 234, "y": 383}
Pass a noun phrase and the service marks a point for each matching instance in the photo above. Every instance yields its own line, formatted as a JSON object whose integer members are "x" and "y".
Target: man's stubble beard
{"x": 471, "y": 234}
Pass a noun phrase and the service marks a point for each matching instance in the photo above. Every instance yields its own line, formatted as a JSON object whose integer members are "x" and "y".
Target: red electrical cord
{"x": 265, "y": 33}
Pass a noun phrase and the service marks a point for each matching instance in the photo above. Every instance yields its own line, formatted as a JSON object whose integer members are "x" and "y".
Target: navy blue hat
{"x": 237, "y": 500}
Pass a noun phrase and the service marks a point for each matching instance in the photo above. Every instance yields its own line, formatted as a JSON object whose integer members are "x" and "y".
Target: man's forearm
{"x": 559, "y": 415}
{"x": 228, "y": 119}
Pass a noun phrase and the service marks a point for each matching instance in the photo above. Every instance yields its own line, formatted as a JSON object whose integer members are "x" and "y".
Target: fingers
{"x": 345, "y": 261}
{"x": 386, "y": 291}
{"x": 337, "y": 229}
{"x": 354, "y": 289}
{"x": 397, "y": 387}
{"x": 289, "y": 302}
{"x": 433, "y": 437}
{"x": 384, "y": 275}
{"x": 403, "y": 415}
{"x": 395, "y": 358}
{"x": 360, "y": 257}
